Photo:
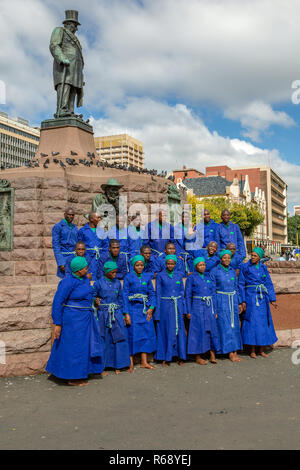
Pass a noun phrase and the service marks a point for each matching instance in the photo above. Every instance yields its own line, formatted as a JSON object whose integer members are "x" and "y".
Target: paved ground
{"x": 251, "y": 405}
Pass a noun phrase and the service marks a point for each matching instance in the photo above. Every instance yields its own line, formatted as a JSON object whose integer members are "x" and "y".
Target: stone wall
{"x": 28, "y": 273}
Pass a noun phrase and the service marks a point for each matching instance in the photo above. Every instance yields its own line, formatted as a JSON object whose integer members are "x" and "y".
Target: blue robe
{"x": 158, "y": 235}
{"x": 210, "y": 261}
{"x": 121, "y": 263}
{"x": 64, "y": 239}
{"x": 237, "y": 261}
{"x": 257, "y": 290}
{"x": 122, "y": 236}
{"x": 184, "y": 245}
{"x": 227, "y": 308}
{"x": 171, "y": 335}
{"x": 141, "y": 332}
{"x": 209, "y": 231}
{"x": 230, "y": 233}
{"x": 203, "y": 330}
{"x": 95, "y": 247}
{"x": 136, "y": 238}
{"x": 179, "y": 268}
{"x": 78, "y": 351}
{"x": 112, "y": 327}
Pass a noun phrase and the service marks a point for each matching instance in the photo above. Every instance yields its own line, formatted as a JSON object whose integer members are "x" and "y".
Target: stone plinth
{"x": 63, "y": 135}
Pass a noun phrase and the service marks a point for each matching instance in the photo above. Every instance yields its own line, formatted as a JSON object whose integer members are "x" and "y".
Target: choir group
{"x": 206, "y": 298}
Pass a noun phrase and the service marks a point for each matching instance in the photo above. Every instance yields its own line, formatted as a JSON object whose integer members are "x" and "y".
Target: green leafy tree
{"x": 247, "y": 216}
{"x": 293, "y": 223}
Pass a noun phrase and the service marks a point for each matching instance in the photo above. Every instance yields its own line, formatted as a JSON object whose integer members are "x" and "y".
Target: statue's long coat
{"x": 65, "y": 45}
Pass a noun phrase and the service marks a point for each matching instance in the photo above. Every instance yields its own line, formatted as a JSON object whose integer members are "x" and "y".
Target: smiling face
{"x": 212, "y": 248}
{"x": 170, "y": 249}
{"x": 226, "y": 260}
{"x": 69, "y": 215}
{"x": 206, "y": 216}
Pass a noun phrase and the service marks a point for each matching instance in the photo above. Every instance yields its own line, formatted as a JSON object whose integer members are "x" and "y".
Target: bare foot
{"x": 212, "y": 358}
{"x": 165, "y": 364}
{"x": 263, "y": 354}
{"x": 234, "y": 357}
{"x": 253, "y": 355}
{"x": 104, "y": 373}
{"x": 180, "y": 363}
{"x": 201, "y": 361}
{"x": 147, "y": 366}
{"x": 130, "y": 370}
{"x": 78, "y": 383}
{"x": 117, "y": 371}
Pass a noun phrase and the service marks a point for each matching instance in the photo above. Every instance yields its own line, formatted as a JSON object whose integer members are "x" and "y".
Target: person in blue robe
{"x": 209, "y": 228}
{"x": 64, "y": 238}
{"x": 77, "y": 349}
{"x": 169, "y": 314}
{"x": 139, "y": 304}
{"x": 113, "y": 255}
{"x": 150, "y": 265}
{"x": 228, "y": 306}
{"x": 236, "y": 258}
{"x": 184, "y": 240}
{"x": 120, "y": 232}
{"x": 109, "y": 299}
{"x": 158, "y": 233}
{"x": 257, "y": 292}
{"x": 228, "y": 232}
{"x": 200, "y": 298}
{"x": 179, "y": 266}
{"x": 136, "y": 237}
{"x": 210, "y": 255}
{"x": 95, "y": 239}
{"x": 80, "y": 250}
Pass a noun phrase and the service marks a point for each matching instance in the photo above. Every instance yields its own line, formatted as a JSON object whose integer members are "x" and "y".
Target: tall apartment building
{"x": 18, "y": 141}
{"x": 267, "y": 189}
{"x": 122, "y": 149}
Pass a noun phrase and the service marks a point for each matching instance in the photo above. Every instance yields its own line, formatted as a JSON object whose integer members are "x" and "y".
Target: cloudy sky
{"x": 199, "y": 82}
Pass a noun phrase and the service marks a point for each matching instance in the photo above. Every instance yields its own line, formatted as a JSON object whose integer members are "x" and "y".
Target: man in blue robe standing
{"x": 158, "y": 233}
{"x": 228, "y": 232}
{"x": 64, "y": 238}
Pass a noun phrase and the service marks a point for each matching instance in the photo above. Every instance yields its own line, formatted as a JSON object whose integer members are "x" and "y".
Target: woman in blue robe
{"x": 228, "y": 306}
{"x": 76, "y": 351}
{"x": 201, "y": 307}
{"x": 169, "y": 314}
{"x": 257, "y": 292}
{"x": 139, "y": 304}
{"x": 180, "y": 266}
{"x": 228, "y": 232}
{"x": 109, "y": 299}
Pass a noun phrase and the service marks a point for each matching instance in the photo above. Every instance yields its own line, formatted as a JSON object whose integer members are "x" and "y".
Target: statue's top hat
{"x": 71, "y": 15}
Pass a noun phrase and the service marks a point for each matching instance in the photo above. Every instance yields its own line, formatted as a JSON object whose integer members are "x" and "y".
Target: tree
{"x": 247, "y": 216}
{"x": 293, "y": 223}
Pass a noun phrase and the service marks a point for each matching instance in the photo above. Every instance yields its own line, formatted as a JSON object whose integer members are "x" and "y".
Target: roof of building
{"x": 207, "y": 186}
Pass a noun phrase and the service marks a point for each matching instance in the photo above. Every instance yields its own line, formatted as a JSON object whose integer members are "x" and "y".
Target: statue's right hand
{"x": 65, "y": 62}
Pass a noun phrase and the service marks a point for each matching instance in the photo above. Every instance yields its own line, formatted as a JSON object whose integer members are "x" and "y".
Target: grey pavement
{"x": 254, "y": 404}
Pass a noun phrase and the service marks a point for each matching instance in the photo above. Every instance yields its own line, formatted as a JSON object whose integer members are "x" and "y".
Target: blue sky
{"x": 199, "y": 82}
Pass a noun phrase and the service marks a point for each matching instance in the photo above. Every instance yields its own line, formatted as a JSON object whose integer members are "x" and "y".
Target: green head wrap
{"x": 78, "y": 263}
{"x": 109, "y": 266}
{"x": 225, "y": 252}
{"x": 200, "y": 259}
{"x": 173, "y": 257}
{"x": 137, "y": 258}
{"x": 259, "y": 251}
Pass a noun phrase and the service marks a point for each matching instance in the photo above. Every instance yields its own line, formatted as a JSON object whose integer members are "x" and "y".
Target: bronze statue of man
{"x": 67, "y": 66}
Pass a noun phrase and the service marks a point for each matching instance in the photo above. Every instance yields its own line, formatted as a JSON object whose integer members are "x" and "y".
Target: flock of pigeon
{"x": 91, "y": 160}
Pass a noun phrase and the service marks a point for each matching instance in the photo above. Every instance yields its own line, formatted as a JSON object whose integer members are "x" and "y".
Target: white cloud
{"x": 257, "y": 117}
{"x": 174, "y": 135}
